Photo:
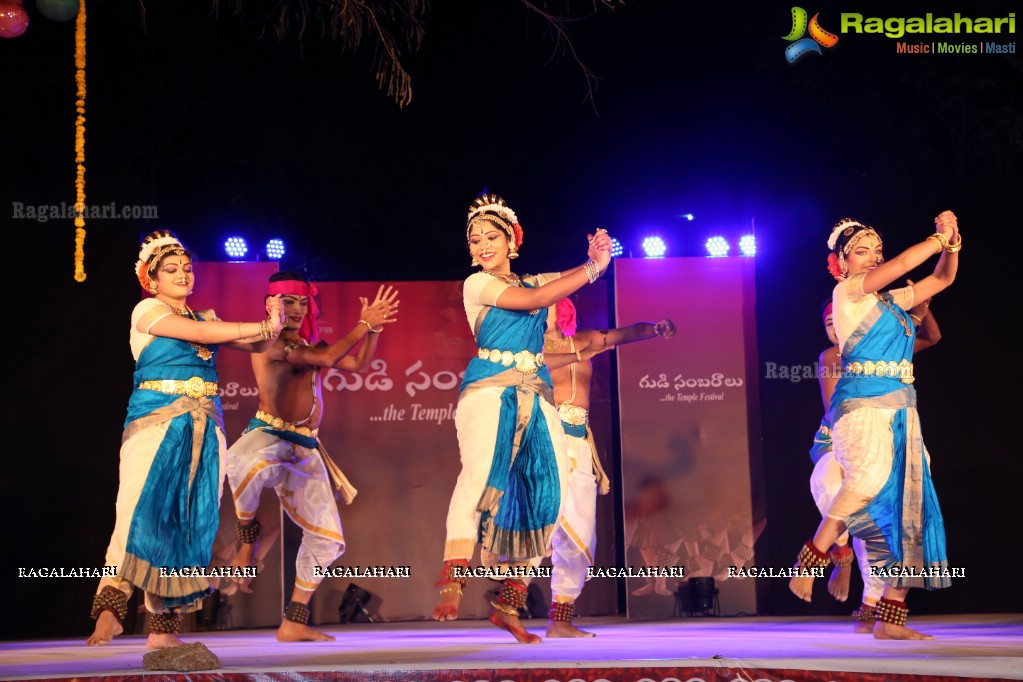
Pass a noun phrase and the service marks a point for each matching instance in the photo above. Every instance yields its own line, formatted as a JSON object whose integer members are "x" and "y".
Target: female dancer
{"x": 514, "y": 466}
{"x": 887, "y": 498}
{"x": 173, "y": 449}
{"x": 826, "y": 479}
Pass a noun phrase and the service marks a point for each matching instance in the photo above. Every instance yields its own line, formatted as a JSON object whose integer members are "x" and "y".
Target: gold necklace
{"x": 512, "y": 279}
{"x": 898, "y": 317}
{"x": 552, "y": 346}
{"x": 201, "y": 349}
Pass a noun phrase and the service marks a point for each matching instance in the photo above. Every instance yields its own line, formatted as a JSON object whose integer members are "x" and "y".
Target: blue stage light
{"x": 236, "y": 247}
{"x": 717, "y": 247}
{"x": 275, "y": 249}
{"x": 748, "y": 245}
{"x": 616, "y": 248}
{"x": 654, "y": 247}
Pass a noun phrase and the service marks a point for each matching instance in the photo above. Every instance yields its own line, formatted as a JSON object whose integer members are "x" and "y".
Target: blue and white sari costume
{"x": 509, "y": 493}
{"x": 900, "y": 523}
{"x": 172, "y": 452}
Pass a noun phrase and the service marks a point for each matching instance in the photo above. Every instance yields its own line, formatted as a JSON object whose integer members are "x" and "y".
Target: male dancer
{"x": 280, "y": 448}
{"x": 575, "y": 539}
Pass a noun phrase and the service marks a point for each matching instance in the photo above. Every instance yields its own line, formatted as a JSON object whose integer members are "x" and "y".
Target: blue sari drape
{"x": 902, "y": 525}
{"x": 522, "y": 499}
{"x": 177, "y": 514}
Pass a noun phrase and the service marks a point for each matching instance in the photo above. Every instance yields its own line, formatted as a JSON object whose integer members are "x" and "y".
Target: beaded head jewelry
{"x": 154, "y": 247}
{"x": 843, "y": 238}
{"x": 493, "y": 209}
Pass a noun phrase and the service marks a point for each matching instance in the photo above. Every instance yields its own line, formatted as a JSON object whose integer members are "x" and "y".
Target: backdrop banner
{"x": 684, "y": 405}
{"x": 391, "y": 430}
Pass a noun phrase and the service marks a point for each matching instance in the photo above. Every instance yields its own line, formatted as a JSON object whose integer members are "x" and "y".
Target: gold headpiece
{"x": 493, "y": 208}
{"x": 154, "y": 247}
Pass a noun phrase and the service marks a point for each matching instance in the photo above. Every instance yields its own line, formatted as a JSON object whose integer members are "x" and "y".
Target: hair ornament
{"x": 154, "y": 247}
{"x": 493, "y": 208}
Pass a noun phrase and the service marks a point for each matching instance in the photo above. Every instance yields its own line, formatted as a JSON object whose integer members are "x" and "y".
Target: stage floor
{"x": 982, "y": 647}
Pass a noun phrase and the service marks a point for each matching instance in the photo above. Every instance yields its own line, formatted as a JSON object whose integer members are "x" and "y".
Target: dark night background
{"x": 697, "y": 111}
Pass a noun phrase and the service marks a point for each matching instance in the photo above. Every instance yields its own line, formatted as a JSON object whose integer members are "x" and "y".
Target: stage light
{"x": 616, "y": 248}
{"x": 275, "y": 249}
{"x": 354, "y": 603}
{"x": 654, "y": 247}
{"x": 688, "y": 216}
{"x": 748, "y": 245}
{"x": 236, "y": 247}
{"x": 717, "y": 247}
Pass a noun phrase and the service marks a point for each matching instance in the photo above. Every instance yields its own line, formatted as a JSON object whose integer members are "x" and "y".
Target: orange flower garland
{"x": 80, "y": 144}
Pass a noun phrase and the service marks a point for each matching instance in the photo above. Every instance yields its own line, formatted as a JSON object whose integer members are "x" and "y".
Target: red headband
{"x": 294, "y": 287}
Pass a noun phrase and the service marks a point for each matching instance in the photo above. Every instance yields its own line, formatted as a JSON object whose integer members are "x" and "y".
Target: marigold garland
{"x": 80, "y": 144}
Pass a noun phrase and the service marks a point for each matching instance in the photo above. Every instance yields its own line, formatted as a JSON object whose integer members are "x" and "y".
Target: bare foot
{"x": 107, "y": 627}
{"x": 646, "y": 589}
{"x": 564, "y": 628}
{"x": 884, "y": 630}
{"x": 447, "y": 605}
{"x": 838, "y": 583}
{"x": 802, "y": 585}
{"x": 863, "y": 627}
{"x": 512, "y": 624}
{"x": 162, "y": 640}
{"x": 290, "y": 631}
{"x": 243, "y": 558}
{"x": 661, "y": 587}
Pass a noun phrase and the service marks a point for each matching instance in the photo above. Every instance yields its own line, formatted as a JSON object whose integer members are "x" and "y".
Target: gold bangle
{"x": 917, "y": 318}
{"x": 954, "y": 248}
{"x": 240, "y": 336}
{"x": 578, "y": 357}
{"x": 941, "y": 239}
{"x": 368, "y": 325}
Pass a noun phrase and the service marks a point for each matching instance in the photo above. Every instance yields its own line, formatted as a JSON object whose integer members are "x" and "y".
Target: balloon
{"x": 58, "y": 10}
{"x": 13, "y": 19}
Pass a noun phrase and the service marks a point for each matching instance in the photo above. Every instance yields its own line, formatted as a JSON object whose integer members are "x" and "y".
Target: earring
{"x": 512, "y": 255}
{"x": 152, "y": 289}
{"x": 475, "y": 263}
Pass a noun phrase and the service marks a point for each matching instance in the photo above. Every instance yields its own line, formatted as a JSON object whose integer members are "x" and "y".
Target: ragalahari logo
{"x": 801, "y": 45}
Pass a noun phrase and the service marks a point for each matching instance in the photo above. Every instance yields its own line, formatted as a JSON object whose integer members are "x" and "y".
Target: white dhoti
{"x": 575, "y": 540}
{"x": 262, "y": 460}
{"x": 825, "y": 482}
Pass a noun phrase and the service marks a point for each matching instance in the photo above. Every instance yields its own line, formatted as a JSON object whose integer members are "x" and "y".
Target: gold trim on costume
{"x": 524, "y": 361}
{"x": 279, "y": 424}
{"x": 573, "y": 414}
{"x": 891, "y": 369}
{"x": 196, "y": 387}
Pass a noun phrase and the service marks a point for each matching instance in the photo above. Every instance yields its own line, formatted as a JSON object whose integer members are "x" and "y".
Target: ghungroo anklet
{"x": 164, "y": 623}
{"x": 451, "y": 587}
{"x": 455, "y": 572}
{"x": 891, "y": 611}
{"x": 867, "y": 614}
{"x": 511, "y": 599}
{"x": 249, "y": 533}
{"x": 561, "y": 611}
{"x": 842, "y": 555}
{"x": 110, "y": 599}
{"x": 297, "y": 612}
{"x": 811, "y": 557}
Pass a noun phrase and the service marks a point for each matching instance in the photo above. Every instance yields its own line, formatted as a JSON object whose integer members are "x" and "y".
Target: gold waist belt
{"x": 279, "y": 424}
{"x": 196, "y": 387}
{"x": 901, "y": 370}
{"x": 524, "y": 361}
{"x": 573, "y": 414}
